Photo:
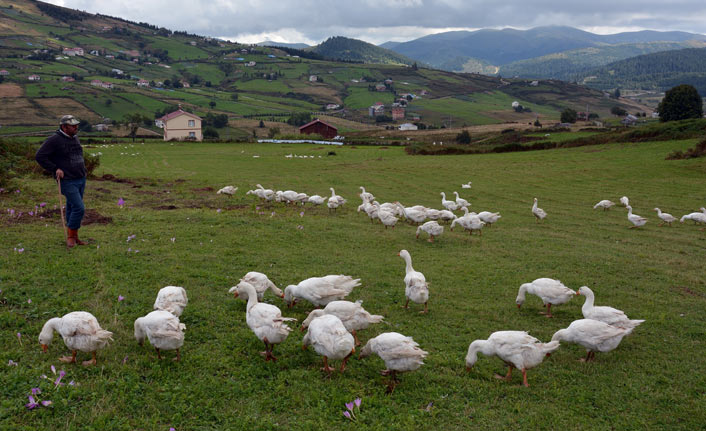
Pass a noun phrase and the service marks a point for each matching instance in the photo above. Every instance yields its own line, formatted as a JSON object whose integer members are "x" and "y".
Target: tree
{"x": 568, "y": 115}
{"x": 108, "y": 102}
{"x": 133, "y": 121}
{"x": 212, "y": 104}
{"x": 414, "y": 66}
{"x": 210, "y": 133}
{"x": 261, "y": 125}
{"x": 537, "y": 123}
{"x": 463, "y": 137}
{"x": 616, "y": 93}
{"x": 84, "y": 126}
{"x": 618, "y": 111}
{"x": 680, "y": 103}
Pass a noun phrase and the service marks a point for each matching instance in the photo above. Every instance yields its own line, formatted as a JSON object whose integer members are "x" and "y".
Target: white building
{"x": 408, "y": 126}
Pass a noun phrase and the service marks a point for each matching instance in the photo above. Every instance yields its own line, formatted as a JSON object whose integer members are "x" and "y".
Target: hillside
{"x": 657, "y": 71}
{"x": 569, "y": 65}
{"x": 346, "y": 49}
{"x": 502, "y": 47}
{"x": 283, "y": 44}
{"x": 135, "y": 68}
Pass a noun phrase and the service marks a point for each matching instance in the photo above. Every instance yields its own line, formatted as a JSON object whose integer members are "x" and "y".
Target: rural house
{"x": 376, "y": 110}
{"x": 318, "y": 126}
{"x": 4, "y": 73}
{"x": 397, "y": 113}
{"x": 408, "y": 126}
{"x": 72, "y": 52}
{"x": 181, "y": 125}
{"x": 67, "y": 79}
{"x": 313, "y": 78}
{"x": 143, "y": 83}
{"x": 380, "y": 87}
{"x": 34, "y": 77}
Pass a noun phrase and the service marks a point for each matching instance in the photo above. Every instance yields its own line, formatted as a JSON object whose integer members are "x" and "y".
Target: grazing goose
{"x": 635, "y": 219}
{"x": 449, "y": 205}
{"x": 387, "y": 218}
{"x": 416, "y": 287}
{"x": 399, "y": 352}
{"x": 462, "y": 203}
{"x": 80, "y": 331}
{"x": 466, "y": 186}
{"x": 365, "y": 196}
{"x": 267, "y": 194}
{"x": 470, "y": 222}
{"x": 394, "y": 208}
{"x": 265, "y": 320}
{"x": 432, "y": 228}
{"x": 412, "y": 214}
{"x": 517, "y": 349}
{"x": 330, "y": 339}
{"x": 489, "y": 218}
{"x": 227, "y": 190}
{"x": 539, "y": 213}
{"x": 609, "y": 315}
{"x": 594, "y": 335}
{"x": 335, "y": 200}
{"x": 372, "y": 211}
{"x": 605, "y": 204}
{"x": 666, "y": 218}
{"x": 446, "y": 215}
{"x": 697, "y": 218}
{"x": 163, "y": 330}
{"x": 172, "y": 299}
{"x": 433, "y": 214}
{"x": 352, "y": 314}
{"x": 320, "y": 290}
{"x": 315, "y": 200}
{"x": 551, "y": 291}
{"x": 625, "y": 201}
{"x": 260, "y": 282}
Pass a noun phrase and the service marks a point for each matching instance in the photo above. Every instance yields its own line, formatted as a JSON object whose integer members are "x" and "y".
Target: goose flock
{"x": 332, "y": 326}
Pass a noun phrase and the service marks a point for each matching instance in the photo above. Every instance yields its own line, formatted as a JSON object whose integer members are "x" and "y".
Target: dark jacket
{"x": 60, "y": 151}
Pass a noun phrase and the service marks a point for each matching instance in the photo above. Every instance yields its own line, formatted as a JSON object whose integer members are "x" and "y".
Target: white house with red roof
{"x": 34, "y": 77}
{"x": 4, "y": 73}
{"x": 181, "y": 125}
{"x": 143, "y": 83}
{"x": 72, "y": 52}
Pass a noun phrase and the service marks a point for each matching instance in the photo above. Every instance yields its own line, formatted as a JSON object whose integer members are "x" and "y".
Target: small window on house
{"x": 192, "y": 134}
{"x": 192, "y": 123}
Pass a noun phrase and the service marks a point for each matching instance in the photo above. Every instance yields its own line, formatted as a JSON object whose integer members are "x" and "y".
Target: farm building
{"x": 34, "y": 77}
{"x": 4, "y": 73}
{"x": 408, "y": 126}
{"x": 181, "y": 125}
{"x": 318, "y": 126}
{"x": 71, "y": 52}
{"x": 143, "y": 83}
{"x": 67, "y": 79}
{"x": 313, "y": 78}
{"x": 397, "y": 113}
{"x": 376, "y": 110}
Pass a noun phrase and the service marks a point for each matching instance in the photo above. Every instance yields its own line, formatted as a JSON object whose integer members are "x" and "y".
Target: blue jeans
{"x": 73, "y": 190}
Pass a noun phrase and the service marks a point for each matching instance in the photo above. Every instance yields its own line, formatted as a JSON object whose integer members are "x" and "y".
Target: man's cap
{"x": 69, "y": 119}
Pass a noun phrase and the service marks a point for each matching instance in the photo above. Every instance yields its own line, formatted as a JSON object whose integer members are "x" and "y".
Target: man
{"x": 62, "y": 155}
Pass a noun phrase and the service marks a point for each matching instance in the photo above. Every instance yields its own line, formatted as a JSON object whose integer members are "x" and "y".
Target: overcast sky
{"x": 377, "y": 21}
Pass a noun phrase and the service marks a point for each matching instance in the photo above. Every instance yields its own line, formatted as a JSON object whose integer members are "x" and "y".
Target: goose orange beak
{"x": 282, "y": 295}
{"x": 44, "y": 348}
{"x": 519, "y": 306}
{"x": 468, "y": 368}
{"x": 578, "y": 293}
{"x": 235, "y": 295}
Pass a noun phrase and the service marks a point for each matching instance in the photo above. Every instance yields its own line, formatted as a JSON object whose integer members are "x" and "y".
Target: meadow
{"x": 187, "y": 235}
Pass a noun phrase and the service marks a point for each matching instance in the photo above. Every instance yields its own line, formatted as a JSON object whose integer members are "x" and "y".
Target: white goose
{"x": 399, "y": 352}
{"x": 466, "y": 186}
{"x": 446, "y": 215}
{"x": 172, "y": 299}
{"x": 449, "y": 205}
{"x": 609, "y": 315}
{"x": 265, "y": 320}
{"x": 517, "y": 349}
{"x": 635, "y": 219}
{"x": 433, "y": 214}
{"x": 539, "y": 213}
{"x": 365, "y": 196}
{"x": 594, "y": 335}
{"x": 330, "y": 339}
{"x": 416, "y": 286}
{"x": 260, "y": 282}
{"x": 352, "y": 314}
{"x": 315, "y": 200}
{"x": 372, "y": 211}
{"x": 666, "y": 218}
{"x": 227, "y": 190}
{"x": 551, "y": 291}
{"x": 387, "y": 218}
{"x": 461, "y": 202}
{"x": 432, "y": 228}
{"x": 335, "y": 200}
{"x": 394, "y": 208}
{"x": 469, "y": 221}
{"x": 412, "y": 214}
{"x": 695, "y": 217}
{"x": 605, "y": 204}
{"x": 163, "y": 330}
{"x": 489, "y": 218}
{"x": 80, "y": 331}
{"x": 624, "y": 201}
{"x": 267, "y": 194}
{"x": 320, "y": 290}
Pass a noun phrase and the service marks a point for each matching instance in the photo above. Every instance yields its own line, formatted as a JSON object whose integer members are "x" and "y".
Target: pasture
{"x": 188, "y": 236}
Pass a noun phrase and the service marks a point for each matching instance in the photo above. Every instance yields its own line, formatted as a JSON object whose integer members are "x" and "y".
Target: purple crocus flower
{"x": 218, "y": 210}
{"x": 11, "y": 362}
{"x": 301, "y": 214}
{"x": 53, "y": 370}
{"x": 349, "y": 406}
{"x": 19, "y": 338}
{"x": 348, "y": 415}
{"x": 31, "y": 213}
{"x": 125, "y": 360}
{"x": 57, "y": 382}
{"x": 42, "y": 205}
{"x": 17, "y": 191}
{"x": 36, "y": 391}
{"x": 358, "y": 402}
{"x": 72, "y": 383}
{"x": 31, "y": 404}
{"x": 121, "y": 298}
{"x": 121, "y": 202}
{"x": 46, "y": 403}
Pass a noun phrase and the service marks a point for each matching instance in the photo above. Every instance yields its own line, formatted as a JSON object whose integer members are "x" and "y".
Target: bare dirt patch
{"x": 113, "y": 178}
{"x": 16, "y": 111}
{"x": 58, "y": 106}
{"x": 90, "y": 217}
{"x": 10, "y": 90}
{"x": 167, "y": 207}
{"x": 204, "y": 189}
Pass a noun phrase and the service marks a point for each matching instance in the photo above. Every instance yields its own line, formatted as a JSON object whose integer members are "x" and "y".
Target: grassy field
{"x": 650, "y": 382}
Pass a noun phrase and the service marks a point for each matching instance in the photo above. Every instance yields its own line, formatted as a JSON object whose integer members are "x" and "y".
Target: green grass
{"x": 362, "y": 98}
{"x": 263, "y": 85}
{"x": 654, "y": 380}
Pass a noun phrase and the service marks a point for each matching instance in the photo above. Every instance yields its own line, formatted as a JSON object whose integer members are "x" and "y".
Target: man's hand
{"x": 59, "y": 173}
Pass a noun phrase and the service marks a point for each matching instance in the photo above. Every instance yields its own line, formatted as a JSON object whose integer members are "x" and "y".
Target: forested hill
{"x": 660, "y": 71}
{"x": 343, "y": 48}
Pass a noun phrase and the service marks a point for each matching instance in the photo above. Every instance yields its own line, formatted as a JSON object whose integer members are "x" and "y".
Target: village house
{"x": 313, "y": 78}
{"x": 67, "y": 79}
{"x": 181, "y": 125}
{"x": 388, "y": 81}
{"x": 34, "y": 77}
{"x": 71, "y": 52}
{"x": 376, "y": 110}
{"x": 534, "y": 83}
{"x": 101, "y": 127}
{"x": 408, "y": 126}
{"x": 109, "y": 56}
{"x": 96, "y": 82}
{"x": 94, "y": 52}
{"x": 380, "y": 87}
{"x": 629, "y": 120}
{"x": 397, "y": 113}
{"x": 143, "y": 83}
{"x": 108, "y": 85}
{"x": 185, "y": 84}
{"x": 319, "y": 127}
{"x": 251, "y": 64}
{"x": 4, "y": 73}
{"x": 117, "y": 71}
{"x": 192, "y": 43}
{"x": 332, "y": 106}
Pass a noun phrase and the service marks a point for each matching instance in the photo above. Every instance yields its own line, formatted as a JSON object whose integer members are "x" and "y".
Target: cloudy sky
{"x": 377, "y": 21}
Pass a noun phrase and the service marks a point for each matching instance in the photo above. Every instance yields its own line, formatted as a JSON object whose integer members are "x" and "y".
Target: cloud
{"x": 311, "y": 21}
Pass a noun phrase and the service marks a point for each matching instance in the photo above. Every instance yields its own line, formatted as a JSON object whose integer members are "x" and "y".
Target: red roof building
{"x": 319, "y": 127}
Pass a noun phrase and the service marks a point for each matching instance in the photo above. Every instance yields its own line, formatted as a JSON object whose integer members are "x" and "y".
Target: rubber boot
{"x": 70, "y": 238}
{"x": 78, "y": 241}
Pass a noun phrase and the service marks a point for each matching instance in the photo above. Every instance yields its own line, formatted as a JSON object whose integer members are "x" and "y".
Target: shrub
{"x": 91, "y": 162}
{"x": 698, "y": 151}
{"x": 463, "y": 137}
